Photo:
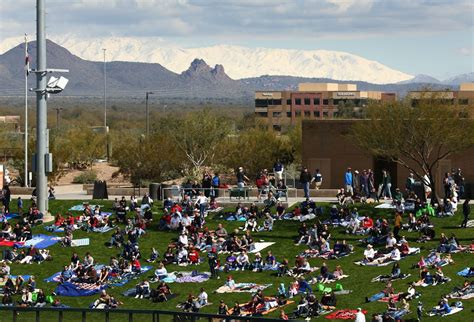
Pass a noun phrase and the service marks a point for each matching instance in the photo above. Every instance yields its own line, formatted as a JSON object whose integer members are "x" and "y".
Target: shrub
{"x": 85, "y": 177}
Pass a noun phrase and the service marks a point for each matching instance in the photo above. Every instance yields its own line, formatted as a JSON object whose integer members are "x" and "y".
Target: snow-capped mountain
{"x": 240, "y": 62}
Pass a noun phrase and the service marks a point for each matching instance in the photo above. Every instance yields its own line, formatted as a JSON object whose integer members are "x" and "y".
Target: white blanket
{"x": 260, "y": 246}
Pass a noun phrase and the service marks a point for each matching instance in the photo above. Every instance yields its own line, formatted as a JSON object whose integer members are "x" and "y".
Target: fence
{"x": 234, "y": 193}
{"x": 82, "y": 314}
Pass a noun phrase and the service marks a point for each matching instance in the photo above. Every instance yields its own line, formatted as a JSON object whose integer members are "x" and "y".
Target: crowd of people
{"x": 198, "y": 243}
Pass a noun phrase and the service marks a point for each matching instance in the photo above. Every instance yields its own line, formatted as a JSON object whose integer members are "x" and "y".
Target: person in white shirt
{"x": 182, "y": 256}
{"x": 395, "y": 254}
{"x": 183, "y": 239}
{"x": 391, "y": 241}
{"x": 369, "y": 253}
{"x": 360, "y": 316}
{"x": 202, "y": 297}
{"x": 202, "y": 201}
{"x": 242, "y": 260}
{"x": 161, "y": 272}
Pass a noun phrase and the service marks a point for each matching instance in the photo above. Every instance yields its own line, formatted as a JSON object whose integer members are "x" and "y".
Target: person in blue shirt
{"x": 216, "y": 181}
{"x": 348, "y": 181}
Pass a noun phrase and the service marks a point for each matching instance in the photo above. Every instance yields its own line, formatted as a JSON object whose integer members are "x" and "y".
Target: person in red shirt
{"x": 136, "y": 266}
{"x": 193, "y": 256}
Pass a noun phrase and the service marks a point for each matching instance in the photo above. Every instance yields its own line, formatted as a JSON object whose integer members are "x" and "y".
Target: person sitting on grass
{"x": 242, "y": 261}
{"x": 388, "y": 291}
{"x": 257, "y": 263}
{"x": 203, "y": 298}
{"x": 161, "y": 293}
{"x": 328, "y": 301}
{"x": 142, "y": 289}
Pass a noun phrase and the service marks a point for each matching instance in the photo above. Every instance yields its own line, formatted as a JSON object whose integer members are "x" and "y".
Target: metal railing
{"x": 231, "y": 193}
{"x": 39, "y": 314}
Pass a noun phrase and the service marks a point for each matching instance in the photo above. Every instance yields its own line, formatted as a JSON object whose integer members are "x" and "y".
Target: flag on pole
{"x": 27, "y": 57}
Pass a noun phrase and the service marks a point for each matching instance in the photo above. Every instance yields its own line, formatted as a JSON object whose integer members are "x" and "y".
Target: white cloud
{"x": 466, "y": 51}
{"x": 277, "y": 19}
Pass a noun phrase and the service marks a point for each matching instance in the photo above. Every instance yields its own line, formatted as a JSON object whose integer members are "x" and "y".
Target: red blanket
{"x": 9, "y": 243}
{"x": 343, "y": 315}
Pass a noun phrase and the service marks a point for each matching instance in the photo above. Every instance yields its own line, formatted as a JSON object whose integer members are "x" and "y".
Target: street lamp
{"x": 147, "y": 111}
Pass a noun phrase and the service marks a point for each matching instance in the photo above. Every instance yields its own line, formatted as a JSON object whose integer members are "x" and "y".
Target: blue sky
{"x": 434, "y": 37}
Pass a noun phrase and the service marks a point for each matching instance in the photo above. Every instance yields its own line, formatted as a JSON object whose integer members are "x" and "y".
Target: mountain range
{"x": 198, "y": 80}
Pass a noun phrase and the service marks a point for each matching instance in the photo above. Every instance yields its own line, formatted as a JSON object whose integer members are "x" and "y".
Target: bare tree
{"x": 418, "y": 137}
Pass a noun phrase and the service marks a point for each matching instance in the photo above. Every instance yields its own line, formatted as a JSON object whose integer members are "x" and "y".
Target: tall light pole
{"x": 147, "y": 111}
{"x": 105, "y": 108}
{"x": 41, "y": 110}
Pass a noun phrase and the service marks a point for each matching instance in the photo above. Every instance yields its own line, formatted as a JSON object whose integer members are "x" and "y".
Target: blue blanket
{"x": 78, "y": 289}
{"x": 125, "y": 279}
{"x": 465, "y": 273}
{"x": 41, "y": 241}
{"x": 81, "y": 207}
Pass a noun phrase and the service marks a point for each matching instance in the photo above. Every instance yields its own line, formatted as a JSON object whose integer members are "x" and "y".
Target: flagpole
{"x": 26, "y": 110}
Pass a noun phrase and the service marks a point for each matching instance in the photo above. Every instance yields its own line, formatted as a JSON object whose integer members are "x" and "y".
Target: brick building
{"x": 280, "y": 109}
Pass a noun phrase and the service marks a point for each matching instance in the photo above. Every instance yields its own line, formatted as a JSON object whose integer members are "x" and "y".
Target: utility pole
{"x": 147, "y": 115}
{"x": 27, "y": 67}
{"x": 41, "y": 110}
{"x": 105, "y": 108}
{"x": 43, "y": 159}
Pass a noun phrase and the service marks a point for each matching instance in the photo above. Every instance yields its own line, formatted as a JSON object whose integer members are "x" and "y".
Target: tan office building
{"x": 280, "y": 109}
{"x": 463, "y": 97}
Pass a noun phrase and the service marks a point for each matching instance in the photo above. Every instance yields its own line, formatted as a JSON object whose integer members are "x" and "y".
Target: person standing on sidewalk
{"x": 318, "y": 178}
{"x": 466, "y": 210}
{"x": 305, "y": 180}
{"x": 348, "y": 181}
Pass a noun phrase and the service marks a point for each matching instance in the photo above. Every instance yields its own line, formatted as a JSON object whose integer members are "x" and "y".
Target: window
{"x": 326, "y": 102}
{"x": 326, "y": 114}
{"x": 298, "y": 101}
{"x": 317, "y": 101}
{"x": 463, "y": 101}
{"x": 307, "y": 114}
{"x": 262, "y": 114}
{"x": 276, "y": 102}
{"x": 288, "y": 114}
{"x": 297, "y": 113}
{"x": 307, "y": 101}
{"x": 277, "y": 128}
{"x": 317, "y": 114}
{"x": 276, "y": 114}
{"x": 288, "y": 102}
{"x": 261, "y": 103}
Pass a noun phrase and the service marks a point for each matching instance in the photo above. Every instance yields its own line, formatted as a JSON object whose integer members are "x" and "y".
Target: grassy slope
{"x": 283, "y": 235}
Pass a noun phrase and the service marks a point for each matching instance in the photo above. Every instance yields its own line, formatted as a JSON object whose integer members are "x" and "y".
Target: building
{"x": 280, "y": 109}
{"x": 326, "y": 146}
{"x": 10, "y": 123}
{"x": 463, "y": 97}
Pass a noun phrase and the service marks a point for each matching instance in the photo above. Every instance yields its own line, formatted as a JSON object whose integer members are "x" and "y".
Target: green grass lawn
{"x": 283, "y": 235}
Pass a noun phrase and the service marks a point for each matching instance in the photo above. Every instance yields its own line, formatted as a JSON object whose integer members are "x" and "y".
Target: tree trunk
{"x": 434, "y": 192}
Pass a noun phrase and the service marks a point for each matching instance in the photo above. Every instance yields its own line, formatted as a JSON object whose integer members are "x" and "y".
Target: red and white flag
{"x": 27, "y": 57}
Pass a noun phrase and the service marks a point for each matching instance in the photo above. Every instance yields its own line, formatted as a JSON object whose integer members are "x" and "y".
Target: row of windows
{"x": 460, "y": 101}
{"x": 266, "y": 102}
{"x": 307, "y": 101}
{"x": 297, "y": 114}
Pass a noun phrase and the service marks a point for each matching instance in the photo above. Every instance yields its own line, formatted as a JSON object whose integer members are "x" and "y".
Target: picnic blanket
{"x": 315, "y": 280}
{"x": 56, "y": 276}
{"x": 235, "y": 217}
{"x": 186, "y": 277}
{"x": 124, "y": 279}
{"x": 243, "y": 287}
{"x": 412, "y": 250}
{"x": 301, "y": 218}
{"x": 396, "y": 298}
{"x": 343, "y": 315}
{"x": 454, "y": 310}
{"x": 447, "y": 279}
{"x": 385, "y": 278}
{"x": 261, "y": 246}
{"x": 470, "y": 223}
{"x": 78, "y": 289}
{"x": 465, "y": 273}
{"x": 102, "y": 230}
{"x": 81, "y": 207}
{"x": 271, "y": 305}
{"x": 42, "y": 241}
{"x": 11, "y": 216}
{"x": 385, "y": 206}
{"x": 80, "y": 242}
